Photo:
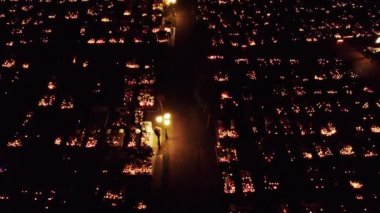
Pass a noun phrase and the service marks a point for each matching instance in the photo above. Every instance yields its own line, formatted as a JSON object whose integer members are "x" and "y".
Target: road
{"x": 189, "y": 172}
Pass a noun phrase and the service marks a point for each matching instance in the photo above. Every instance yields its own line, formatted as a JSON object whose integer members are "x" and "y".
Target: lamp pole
{"x": 167, "y": 122}
{"x": 164, "y": 121}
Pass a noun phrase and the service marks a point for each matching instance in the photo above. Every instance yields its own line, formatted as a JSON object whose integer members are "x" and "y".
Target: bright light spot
{"x": 169, "y": 2}
{"x": 377, "y": 40}
{"x": 166, "y": 122}
{"x": 167, "y": 116}
{"x": 356, "y": 184}
{"x": 159, "y": 119}
{"x": 51, "y": 85}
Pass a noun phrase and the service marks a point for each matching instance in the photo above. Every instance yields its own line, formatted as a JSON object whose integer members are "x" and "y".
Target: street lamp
{"x": 169, "y": 2}
{"x": 167, "y": 116}
{"x": 159, "y": 119}
{"x": 166, "y": 121}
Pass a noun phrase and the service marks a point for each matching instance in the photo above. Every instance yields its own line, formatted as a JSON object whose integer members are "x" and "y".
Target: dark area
{"x": 274, "y": 106}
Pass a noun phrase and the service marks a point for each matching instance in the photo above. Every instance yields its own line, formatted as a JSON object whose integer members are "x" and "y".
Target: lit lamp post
{"x": 167, "y": 123}
{"x": 164, "y": 120}
{"x": 170, "y": 6}
{"x": 169, "y": 2}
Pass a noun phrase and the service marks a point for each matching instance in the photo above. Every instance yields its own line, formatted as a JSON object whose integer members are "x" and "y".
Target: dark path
{"x": 189, "y": 179}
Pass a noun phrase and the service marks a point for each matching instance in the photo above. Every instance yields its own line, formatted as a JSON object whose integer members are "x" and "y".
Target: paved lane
{"x": 189, "y": 173}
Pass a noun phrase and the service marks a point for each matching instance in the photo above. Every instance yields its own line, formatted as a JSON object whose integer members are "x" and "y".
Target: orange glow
{"x": 25, "y": 66}
{"x": 329, "y": 130}
{"x": 356, "y": 184}
{"x": 375, "y": 129}
{"x": 51, "y": 85}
